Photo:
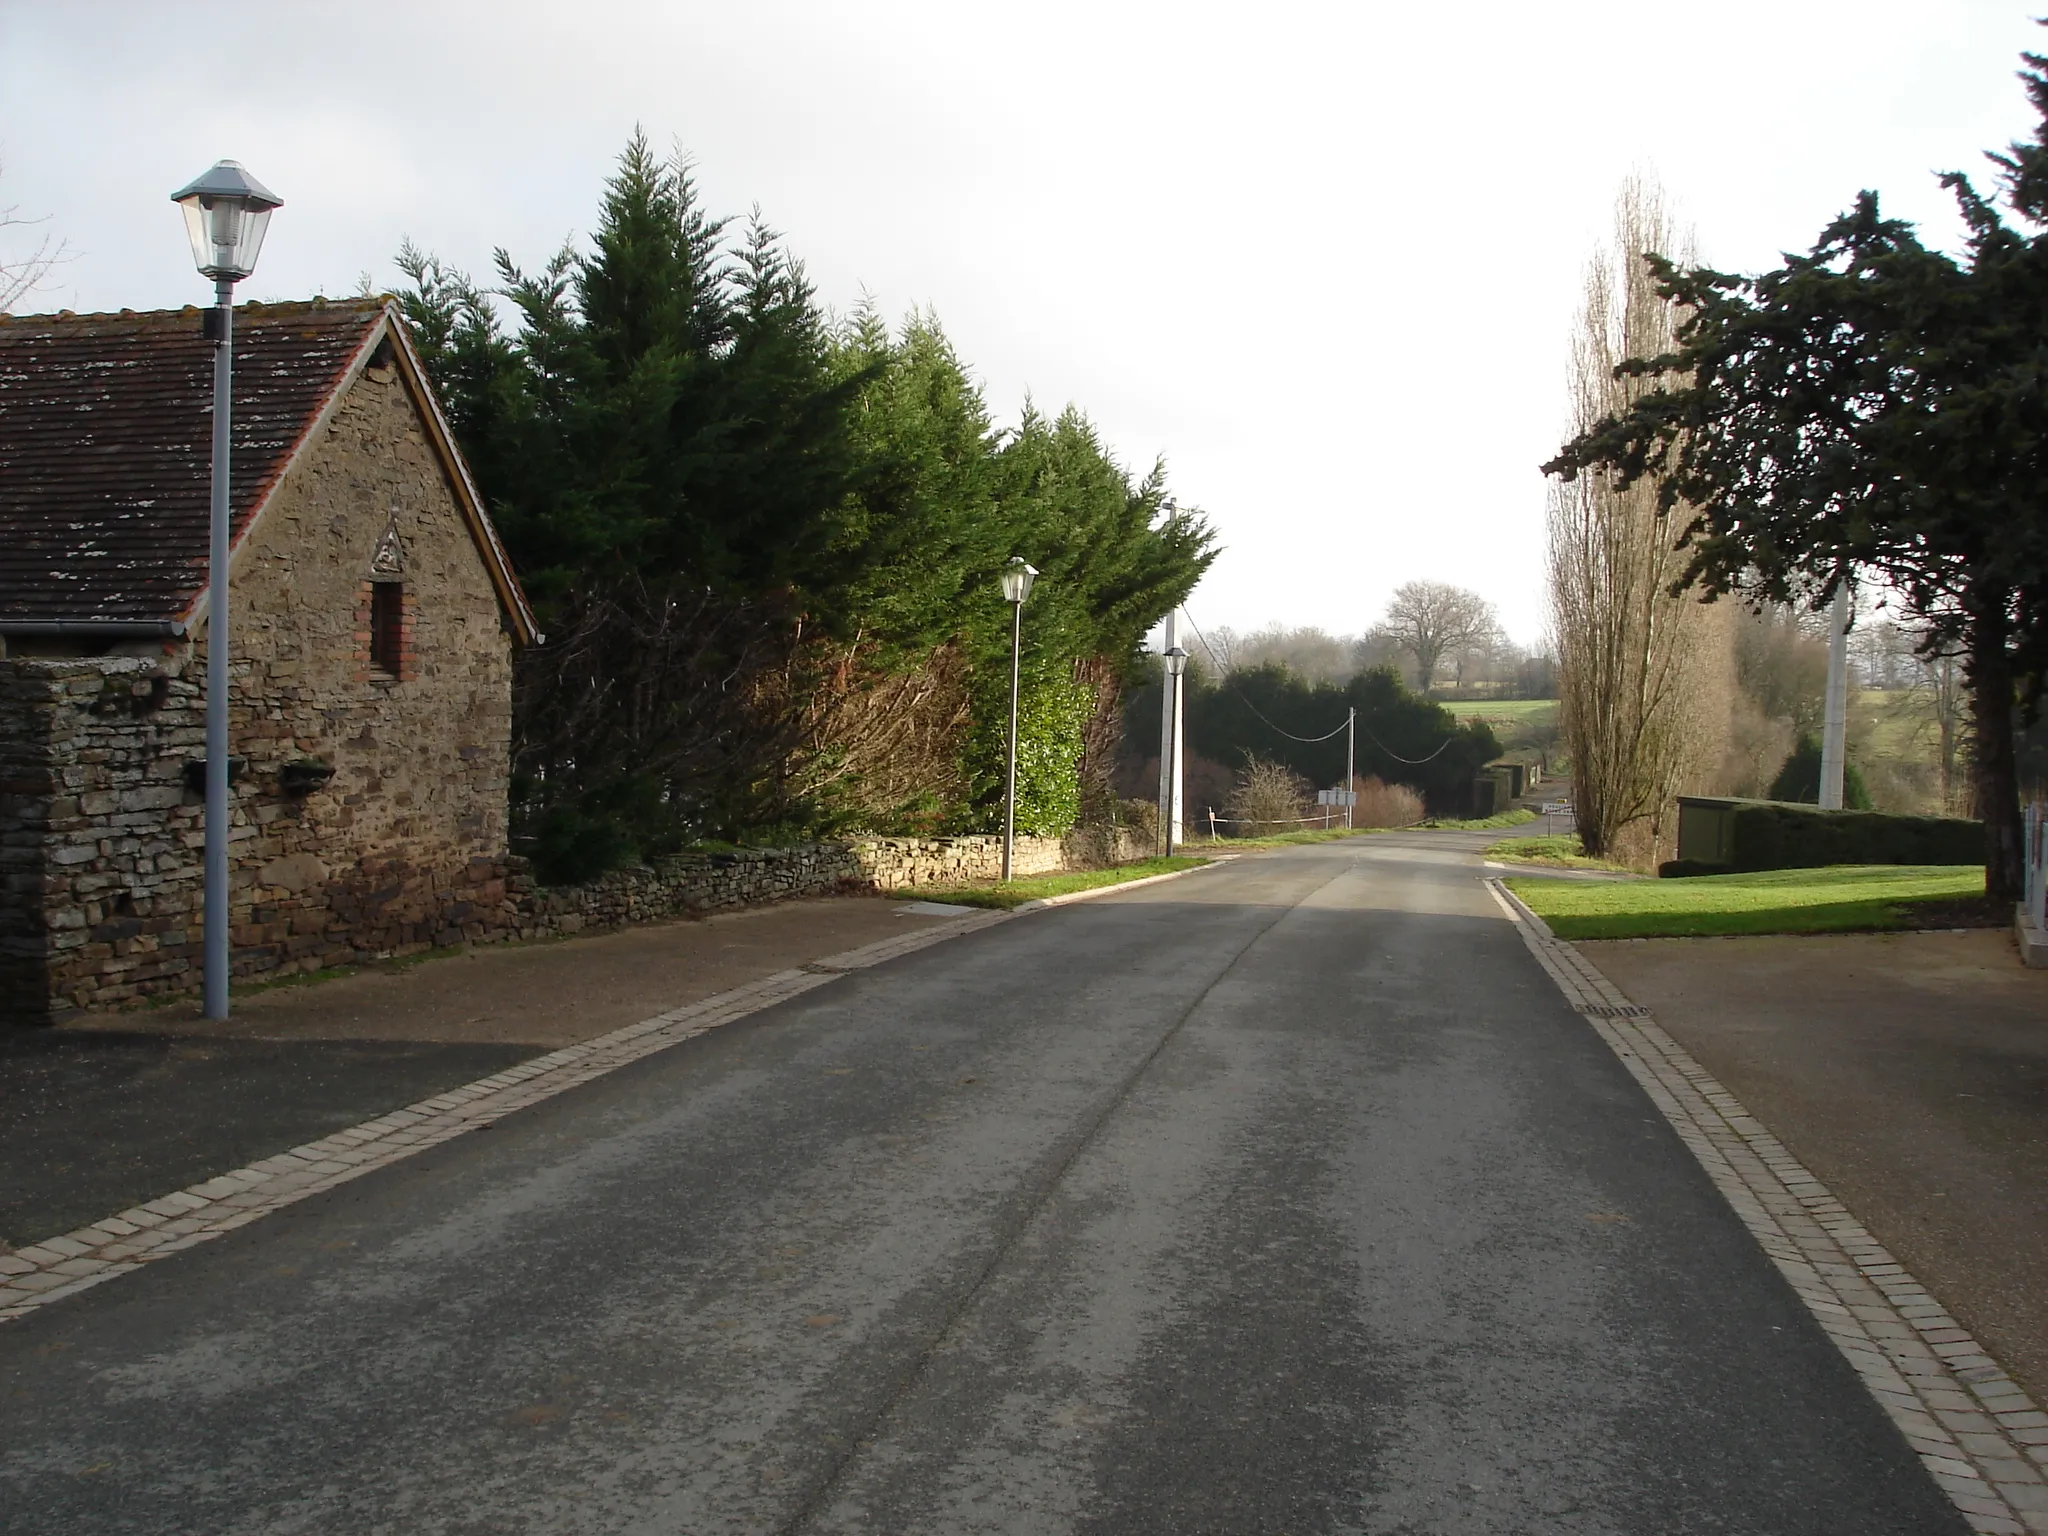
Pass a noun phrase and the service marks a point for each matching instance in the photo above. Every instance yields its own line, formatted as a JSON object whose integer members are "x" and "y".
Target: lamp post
{"x": 226, "y": 213}
{"x": 1176, "y": 661}
{"x": 1017, "y": 579}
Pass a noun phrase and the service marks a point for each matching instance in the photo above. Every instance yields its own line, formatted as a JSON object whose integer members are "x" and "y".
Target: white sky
{"x": 1323, "y": 258}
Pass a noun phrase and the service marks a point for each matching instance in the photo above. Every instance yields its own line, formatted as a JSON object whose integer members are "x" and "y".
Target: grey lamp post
{"x": 226, "y": 212}
{"x": 1176, "y": 661}
{"x": 1017, "y": 579}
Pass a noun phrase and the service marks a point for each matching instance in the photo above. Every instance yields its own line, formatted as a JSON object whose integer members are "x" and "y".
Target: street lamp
{"x": 1176, "y": 661}
{"x": 226, "y": 213}
{"x": 1017, "y": 579}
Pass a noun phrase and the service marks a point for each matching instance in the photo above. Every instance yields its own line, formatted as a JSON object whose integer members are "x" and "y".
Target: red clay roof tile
{"x": 106, "y": 447}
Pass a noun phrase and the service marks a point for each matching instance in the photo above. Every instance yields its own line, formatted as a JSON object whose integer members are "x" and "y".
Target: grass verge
{"x": 1845, "y": 899}
{"x": 1560, "y": 852}
{"x": 1283, "y": 839}
{"x": 1520, "y": 816}
{"x": 1038, "y": 887}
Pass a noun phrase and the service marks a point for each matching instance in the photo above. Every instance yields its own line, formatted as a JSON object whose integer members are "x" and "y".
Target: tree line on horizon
{"x": 1431, "y": 633}
{"x": 764, "y": 543}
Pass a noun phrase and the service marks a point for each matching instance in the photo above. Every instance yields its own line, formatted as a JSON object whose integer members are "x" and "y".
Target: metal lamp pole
{"x": 1017, "y": 579}
{"x": 226, "y": 213}
{"x": 216, "y": 940}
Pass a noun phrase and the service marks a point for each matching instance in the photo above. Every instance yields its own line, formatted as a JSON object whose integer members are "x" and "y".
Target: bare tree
{"x": 21, "y": 275}
{"x": 1431, "y": 620}
{"x": 1948, "y": 698}
{"x": 1377, "y": 648}
{"x": 1312, "y": 654}
{"x": 1225, "y": 645}
{"x": 1644, "y": 677}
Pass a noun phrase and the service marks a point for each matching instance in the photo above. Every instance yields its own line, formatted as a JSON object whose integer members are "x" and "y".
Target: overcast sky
{"x": 1321, "y": 258}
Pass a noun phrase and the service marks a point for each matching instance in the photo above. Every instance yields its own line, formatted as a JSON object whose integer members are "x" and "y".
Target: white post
{"x": 1350, "y": 764}
{"x": 1170, "y": 775}
{"x": 1834, "y": 732}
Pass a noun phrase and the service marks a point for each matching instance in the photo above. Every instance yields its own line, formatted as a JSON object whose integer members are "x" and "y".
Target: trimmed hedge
{"x": 1771, "y": 834}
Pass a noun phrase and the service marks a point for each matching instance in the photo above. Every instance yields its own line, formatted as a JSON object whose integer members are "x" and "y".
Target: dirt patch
{"x": 1909, "y": 1071}
{"x": 1964, "y": 912}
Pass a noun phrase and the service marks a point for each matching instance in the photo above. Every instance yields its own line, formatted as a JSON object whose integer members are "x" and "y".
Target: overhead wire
{"x": 1223, "y": 673}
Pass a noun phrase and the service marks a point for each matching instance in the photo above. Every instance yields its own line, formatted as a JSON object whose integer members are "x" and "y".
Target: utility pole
{"x": 1834, "y": 733}
{"x": 1170, "y": 775}
{"x": 1350, "y": 764}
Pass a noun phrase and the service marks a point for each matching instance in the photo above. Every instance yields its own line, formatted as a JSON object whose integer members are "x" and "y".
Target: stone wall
{"x": 368, "y": 810}
{"x": 101, "y": 836}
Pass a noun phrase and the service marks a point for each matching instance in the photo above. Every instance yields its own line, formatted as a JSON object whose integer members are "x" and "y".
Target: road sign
{"x": 1336, "y": 797}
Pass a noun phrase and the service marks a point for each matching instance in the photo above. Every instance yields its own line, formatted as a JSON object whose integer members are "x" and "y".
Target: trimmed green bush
{"x": 1798, "y": 781}
{"x": 1770, "y": 834}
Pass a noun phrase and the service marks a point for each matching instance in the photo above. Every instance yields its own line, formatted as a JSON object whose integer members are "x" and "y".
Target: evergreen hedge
{"x": 1771, "y": 834}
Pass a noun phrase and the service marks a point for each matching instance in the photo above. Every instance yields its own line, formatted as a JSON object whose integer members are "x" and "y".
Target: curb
{"x": 1975, "y": 1430}
{"x": 1123, "y": 885}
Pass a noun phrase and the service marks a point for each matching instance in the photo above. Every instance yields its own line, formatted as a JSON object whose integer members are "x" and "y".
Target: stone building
{"x": 374, "y": 617}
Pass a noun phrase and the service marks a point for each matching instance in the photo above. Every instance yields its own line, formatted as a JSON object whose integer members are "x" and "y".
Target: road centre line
{"x": 39, "y": 1273}
{"x": 1983, "y": 1439}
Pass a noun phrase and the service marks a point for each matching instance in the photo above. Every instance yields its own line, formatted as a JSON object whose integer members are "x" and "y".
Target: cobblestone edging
{"x": 56, "y": 1267}
{"x": 1978, "y": 1433}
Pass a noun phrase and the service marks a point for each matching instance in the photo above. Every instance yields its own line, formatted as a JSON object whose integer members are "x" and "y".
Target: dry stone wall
{"x": 101, "y": 836}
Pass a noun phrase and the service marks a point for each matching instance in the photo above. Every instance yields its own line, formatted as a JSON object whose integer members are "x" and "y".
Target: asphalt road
{"x": 1285, "y": 1198}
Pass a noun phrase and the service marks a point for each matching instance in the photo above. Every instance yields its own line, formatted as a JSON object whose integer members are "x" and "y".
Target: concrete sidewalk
{"x": 1909, "y": 1072}
{"x": 115, "y": 1109}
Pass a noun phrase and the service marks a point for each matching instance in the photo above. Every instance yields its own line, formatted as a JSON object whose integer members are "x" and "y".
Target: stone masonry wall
{"x": 368, "y": 813}
{"x": 99, "y": 859}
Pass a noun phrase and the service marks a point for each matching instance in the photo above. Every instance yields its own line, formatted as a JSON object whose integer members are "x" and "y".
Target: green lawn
{"x": 1283, "y": 839}
{"x": 1842, "y": 899}
{"x": 1561, "y": 851}
{"x": 1038, "y": 887}
{"x": 1521, "y": 815}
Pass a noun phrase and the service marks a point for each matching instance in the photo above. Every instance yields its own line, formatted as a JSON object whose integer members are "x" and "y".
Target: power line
{"x": 1223, "y": 672}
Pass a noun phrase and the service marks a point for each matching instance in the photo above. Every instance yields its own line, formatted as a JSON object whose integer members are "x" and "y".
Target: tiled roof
{"x": 106, "y": 447}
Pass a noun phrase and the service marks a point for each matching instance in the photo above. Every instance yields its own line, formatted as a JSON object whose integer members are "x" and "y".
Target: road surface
{"x": 1288, "y": 1198}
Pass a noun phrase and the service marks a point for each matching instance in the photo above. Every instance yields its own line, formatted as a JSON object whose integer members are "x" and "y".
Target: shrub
{"x": 1798, "y": 781}
{"x": 1142, "y": 817}
{"x": 1268, "y": 797}
{"x": 1384, "y": 805}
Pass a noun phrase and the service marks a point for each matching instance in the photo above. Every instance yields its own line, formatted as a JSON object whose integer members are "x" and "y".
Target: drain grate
{"x": 1607, "y": 1011}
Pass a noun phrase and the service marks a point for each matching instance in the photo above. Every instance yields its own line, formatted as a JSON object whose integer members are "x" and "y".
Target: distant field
{"x": 1899, "y": 724}
{"x": 1521, "y": 711}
